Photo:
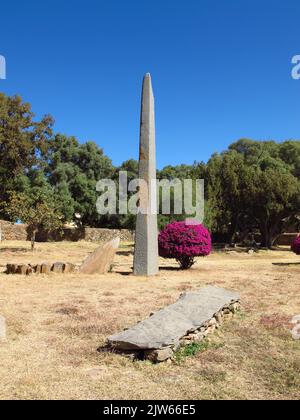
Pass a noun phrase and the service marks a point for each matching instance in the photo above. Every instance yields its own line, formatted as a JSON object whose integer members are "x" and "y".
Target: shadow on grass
{"x": 169, "y": 268}
{"x": 125, "y": 253}
{"x": 128, "y": 273}
{"x": 286, "y": 264}
{"x": 15, "y": 250}
{"x": 124, "y": 273}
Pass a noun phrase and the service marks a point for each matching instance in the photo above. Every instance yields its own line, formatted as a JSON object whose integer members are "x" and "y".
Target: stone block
{"x": 58, "y": 267}
{"x": 46, "y": 268}
{"x": 101, "y": 260}
{"x": 22, "y": 269}
{"x": 169, "y": 325}
{"x": 69, "y": 268}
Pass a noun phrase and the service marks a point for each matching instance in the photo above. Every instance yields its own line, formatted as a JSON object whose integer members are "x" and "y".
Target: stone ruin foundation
{"x": 190, "y": 320}
{"x": 194, "y": 336}
{"x": 98, "y": 262}
{"x": 45, "y": 268}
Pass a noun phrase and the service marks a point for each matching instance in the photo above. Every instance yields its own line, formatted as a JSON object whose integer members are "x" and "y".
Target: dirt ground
{"x": 56, "y": 323}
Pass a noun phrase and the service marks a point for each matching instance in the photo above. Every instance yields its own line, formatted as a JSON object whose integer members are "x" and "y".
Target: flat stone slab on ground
{"x": 167, "y": 326}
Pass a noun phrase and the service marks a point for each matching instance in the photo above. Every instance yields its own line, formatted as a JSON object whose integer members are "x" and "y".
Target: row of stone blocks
{"x": 196, "y": 336}
{"x": 45, "y": 268}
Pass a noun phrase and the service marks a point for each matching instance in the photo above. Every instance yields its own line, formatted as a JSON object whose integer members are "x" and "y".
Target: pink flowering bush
{"x": 296, "y": 246}
{"x": 184, "y": 242}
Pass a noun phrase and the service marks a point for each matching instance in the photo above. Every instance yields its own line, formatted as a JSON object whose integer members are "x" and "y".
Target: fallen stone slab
{"x": 101, "y": 260}
{"x": 191, "y": 318}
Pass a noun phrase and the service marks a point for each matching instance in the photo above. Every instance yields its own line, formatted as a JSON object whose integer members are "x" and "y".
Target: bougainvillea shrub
{"x": 296, "y": 246}
{"x": 184, "y": 242}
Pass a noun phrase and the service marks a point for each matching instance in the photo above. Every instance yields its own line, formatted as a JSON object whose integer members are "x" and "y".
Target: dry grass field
{"x": 56, "y": 323}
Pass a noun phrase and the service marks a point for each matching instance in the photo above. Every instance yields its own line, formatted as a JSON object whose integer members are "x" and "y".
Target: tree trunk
{"x": 267, "y": 235}
{"x": 33, "y": 240}
{"x": 232, "y": 231}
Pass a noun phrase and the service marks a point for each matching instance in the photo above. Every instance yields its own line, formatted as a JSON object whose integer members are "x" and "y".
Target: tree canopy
{"x": 253, "y": 186}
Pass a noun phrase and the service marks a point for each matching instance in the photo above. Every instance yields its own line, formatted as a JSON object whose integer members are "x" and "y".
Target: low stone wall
{"x": 105, "y": 235}
{"x": 28, "y": 269}
{"x": 196, "y": 336}
{"x": 13, "y": 232}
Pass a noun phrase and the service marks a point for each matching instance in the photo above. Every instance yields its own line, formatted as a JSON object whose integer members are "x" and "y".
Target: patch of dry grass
{"x": 56, "y": 323}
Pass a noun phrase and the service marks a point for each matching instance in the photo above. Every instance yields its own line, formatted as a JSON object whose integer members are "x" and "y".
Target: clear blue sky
{"x": 221, "y": 70}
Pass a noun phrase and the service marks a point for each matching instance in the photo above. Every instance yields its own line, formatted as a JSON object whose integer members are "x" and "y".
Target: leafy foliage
{"x": 184, "y": 242}
{"x": 192, "y": 349}
{"x": 36, "y": 211}
{"x": 296, "y": 246}
{"x": 253, "y": 187}
{"x": 23, "y": 142}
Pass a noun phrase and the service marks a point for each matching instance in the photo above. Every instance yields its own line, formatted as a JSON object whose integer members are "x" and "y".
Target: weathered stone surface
{"x": 58, "y": 268}
{"x": 30, "y": 270}
{"x": 9, "y": 268}
{"x": 38, "y": 269}
{"x": 13, "y": 232}
{"x": 101, "y": 260}
{"x": 46, "y": 268}
{"x": 296, "y": 330}
{"x": 22, "y": 269}
{"x": 14, "y": 268}
{"x": 146, "y": 234}
{"x": 159, "y": 355}
{"x": 2, "y": 328}
{"x": 219, "y": 318}
{"x": 69, "y": 268}
{"x": 167, "y": 326}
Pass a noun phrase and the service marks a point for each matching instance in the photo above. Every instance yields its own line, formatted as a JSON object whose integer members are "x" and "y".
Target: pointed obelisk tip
{"x": 148, "y": 75}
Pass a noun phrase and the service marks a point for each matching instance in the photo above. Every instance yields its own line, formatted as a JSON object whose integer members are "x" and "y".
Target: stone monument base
{"x": 191, "y": 319}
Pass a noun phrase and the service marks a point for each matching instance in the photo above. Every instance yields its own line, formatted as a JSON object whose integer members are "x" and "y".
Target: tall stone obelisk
{"x": 146, "y": 234}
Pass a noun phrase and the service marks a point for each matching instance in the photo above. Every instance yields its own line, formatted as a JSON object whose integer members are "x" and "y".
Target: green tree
{"x": 22, "y": 143}
{"x": 254, "y": 185}
{"x": 73, "y": 170}
{"x": 227, "y": 185}
{"x": 34, "y": 210}
{"x": 273, "y": 197}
